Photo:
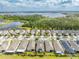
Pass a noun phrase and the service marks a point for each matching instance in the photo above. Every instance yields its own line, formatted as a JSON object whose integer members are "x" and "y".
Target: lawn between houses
{"x": 27, "y": 55}
{"x": 33, "y": 57}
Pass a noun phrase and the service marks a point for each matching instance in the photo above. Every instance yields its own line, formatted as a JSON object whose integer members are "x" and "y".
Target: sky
{"x": 39, "y": 5}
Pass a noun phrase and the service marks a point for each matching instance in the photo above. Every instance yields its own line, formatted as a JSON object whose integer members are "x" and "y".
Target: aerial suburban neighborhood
{"x": 61, "y": 42}
{"x": 39, "y": 29}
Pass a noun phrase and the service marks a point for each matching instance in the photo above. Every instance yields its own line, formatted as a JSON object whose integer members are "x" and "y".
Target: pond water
{"x": 11, "y": 25}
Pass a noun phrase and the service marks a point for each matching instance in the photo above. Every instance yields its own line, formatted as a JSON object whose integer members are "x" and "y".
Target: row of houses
{"x": 56, "y": 46}
{"x": 39, "y": 32}
{"x": 16, "y": 41}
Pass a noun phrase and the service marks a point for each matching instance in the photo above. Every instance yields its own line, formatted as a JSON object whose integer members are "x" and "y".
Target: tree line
{"x": 42, "y": 22}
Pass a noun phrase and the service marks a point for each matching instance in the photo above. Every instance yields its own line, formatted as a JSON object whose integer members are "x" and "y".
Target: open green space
{"x": 33, "y": 57}
{"x": 70, "y": 22}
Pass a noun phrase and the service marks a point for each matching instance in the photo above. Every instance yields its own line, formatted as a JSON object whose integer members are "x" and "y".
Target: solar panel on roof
{"x": 77, "y": 41}
{"x": 58, "y": 48}
{"x": 68, "y": 49}
{"x": 73, "y": 45}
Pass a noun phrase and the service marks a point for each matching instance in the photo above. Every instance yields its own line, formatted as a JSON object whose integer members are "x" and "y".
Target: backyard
{"x": 33, "y": 57}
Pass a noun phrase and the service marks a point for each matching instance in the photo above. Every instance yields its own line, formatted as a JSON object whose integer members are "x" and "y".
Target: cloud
{"x": 75, "y": 3}
{"x": 40, "y": 4}
{"x": 30, "y": 3}
{"x": 4, "y": 3}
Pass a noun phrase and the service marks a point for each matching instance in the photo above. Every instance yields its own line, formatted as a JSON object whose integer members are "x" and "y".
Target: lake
{"x": 11, "y": 25}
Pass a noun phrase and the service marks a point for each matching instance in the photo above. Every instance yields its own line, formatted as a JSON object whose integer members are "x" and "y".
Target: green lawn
{"x": 6, "y": 22}
{"x": 33, "y": 57}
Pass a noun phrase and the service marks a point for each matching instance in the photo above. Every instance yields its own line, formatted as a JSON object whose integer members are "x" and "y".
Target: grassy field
{"x": 33, "y": 57}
